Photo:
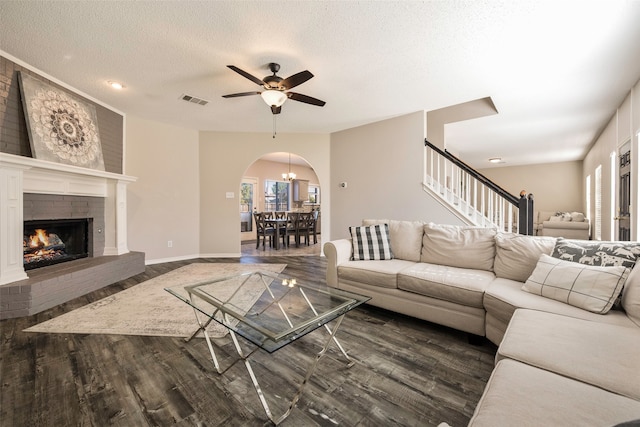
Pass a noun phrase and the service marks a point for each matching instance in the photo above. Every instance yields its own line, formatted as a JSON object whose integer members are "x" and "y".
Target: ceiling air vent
{"x": 193, "y": 99}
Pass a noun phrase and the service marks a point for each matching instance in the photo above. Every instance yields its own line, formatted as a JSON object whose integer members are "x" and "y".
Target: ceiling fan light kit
{"x": 273, "y": 97}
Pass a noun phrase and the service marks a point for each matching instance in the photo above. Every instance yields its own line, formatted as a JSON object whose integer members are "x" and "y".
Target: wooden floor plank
{"x": 408, "y": 372}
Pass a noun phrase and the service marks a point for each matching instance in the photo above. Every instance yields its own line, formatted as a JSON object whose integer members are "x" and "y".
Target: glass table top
{"x": 270, "y": 310}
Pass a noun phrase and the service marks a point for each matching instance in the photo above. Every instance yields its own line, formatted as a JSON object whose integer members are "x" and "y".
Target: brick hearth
{"x": 49, "y": 286}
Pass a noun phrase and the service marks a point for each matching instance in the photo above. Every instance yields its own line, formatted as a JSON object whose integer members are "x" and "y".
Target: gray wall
{"x": 382, "y": 164}
{"x": 14, "y": 138}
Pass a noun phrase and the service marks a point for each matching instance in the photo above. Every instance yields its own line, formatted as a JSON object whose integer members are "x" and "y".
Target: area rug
{"x": 148, "y": 309}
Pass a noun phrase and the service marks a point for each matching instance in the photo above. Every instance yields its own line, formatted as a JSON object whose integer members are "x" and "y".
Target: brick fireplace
{"x": 36, "y": 190}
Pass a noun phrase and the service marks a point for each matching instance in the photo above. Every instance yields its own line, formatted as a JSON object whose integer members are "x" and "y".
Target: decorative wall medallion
{"x": 61, "y": 128}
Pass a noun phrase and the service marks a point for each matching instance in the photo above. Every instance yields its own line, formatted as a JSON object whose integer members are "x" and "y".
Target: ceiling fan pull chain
{"x": 274, "y": 126}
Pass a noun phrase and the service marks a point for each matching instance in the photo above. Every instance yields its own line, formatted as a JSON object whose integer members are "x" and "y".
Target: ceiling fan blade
{"x": 247, "y": 75}
{"x": 306, "y": 99}
{"x": 276, "y": 110}
{"x": 235, "y": 95}
{"x": 295, "y": 80}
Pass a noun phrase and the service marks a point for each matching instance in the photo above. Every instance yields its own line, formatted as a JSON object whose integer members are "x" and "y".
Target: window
{"x": 612, "y": 213}
{"x": 246, "y": 197}
{"x": 314, "y": 194}
{"x": 247, "y": 203}
{"x": 598, "y": 204}
{"x": 588, "y": 196}
{"x": 276, "y": 195}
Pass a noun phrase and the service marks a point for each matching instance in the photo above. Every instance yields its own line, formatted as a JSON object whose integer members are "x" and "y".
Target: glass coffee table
{"x": 270, "y": 311}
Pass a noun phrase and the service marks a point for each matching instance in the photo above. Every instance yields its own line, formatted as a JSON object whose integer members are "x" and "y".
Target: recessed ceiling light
{"x": 496, "y": 160}
{"x": 116, "y": 85}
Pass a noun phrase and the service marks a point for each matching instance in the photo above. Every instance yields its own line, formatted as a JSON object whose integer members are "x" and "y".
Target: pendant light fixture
{"x": 290, "y": 176}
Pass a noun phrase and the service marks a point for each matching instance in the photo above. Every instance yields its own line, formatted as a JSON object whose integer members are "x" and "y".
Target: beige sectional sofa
{"x": 556, "y": 353}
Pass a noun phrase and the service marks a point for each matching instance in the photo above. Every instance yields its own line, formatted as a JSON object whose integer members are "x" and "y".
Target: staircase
{"x": 471, "y": 196}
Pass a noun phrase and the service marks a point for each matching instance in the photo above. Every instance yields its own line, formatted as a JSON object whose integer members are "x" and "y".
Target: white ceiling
{"x": 556, "y": 70}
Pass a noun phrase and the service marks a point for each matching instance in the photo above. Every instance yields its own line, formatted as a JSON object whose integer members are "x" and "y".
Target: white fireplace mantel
{"x": 19, "y": 175}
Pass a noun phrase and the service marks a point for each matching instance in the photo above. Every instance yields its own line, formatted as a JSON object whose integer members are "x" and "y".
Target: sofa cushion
{"x": 597, "y": 252}
{"x": 502, "y": 297}
{"x": 517, "y": 255}
{"x": 589, "y": 287}
{"x": 459, "y": 246}
{"x": 374, "y": 273}
{"x": 518, "y": 394}
{"x": 371, "y": 242}
{"x": 405, "y": 237}
{"x": 459, "y": 285}
{"x": 631, "y": 295}
{"x": 592, "y": 352}
{"x": 565, "y": 225}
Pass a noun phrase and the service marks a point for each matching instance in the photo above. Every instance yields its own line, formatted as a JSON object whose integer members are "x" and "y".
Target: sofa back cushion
{"x": 631, "y": 295}
{"x": 459, "y": 246}
{"x": 405, "y": 237}
{"x": 517, "y": 255}
{"x": 543, "y": 216}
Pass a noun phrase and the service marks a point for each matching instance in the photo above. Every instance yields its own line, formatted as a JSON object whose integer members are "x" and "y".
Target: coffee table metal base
{"x": 245, "y": 357}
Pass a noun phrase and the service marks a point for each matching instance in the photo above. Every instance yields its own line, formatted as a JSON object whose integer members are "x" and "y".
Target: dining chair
{"x": 263, "y": 231}
{"x": 290, "y": 228}
{"x": 316, "y": 217}
{"x": 304, "y": 227}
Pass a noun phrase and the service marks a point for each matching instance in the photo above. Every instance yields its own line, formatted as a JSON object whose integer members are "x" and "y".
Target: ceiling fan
{"x": 275, "y": 88}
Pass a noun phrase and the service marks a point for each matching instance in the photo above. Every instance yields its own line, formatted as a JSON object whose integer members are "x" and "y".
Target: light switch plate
{"x": 230, "y": 195}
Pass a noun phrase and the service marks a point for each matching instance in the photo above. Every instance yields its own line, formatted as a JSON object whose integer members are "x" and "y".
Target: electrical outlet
{"x": 170, "y": 243}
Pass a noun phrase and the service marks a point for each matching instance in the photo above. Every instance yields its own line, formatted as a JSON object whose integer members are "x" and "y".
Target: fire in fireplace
{"x": 48, "y": 242}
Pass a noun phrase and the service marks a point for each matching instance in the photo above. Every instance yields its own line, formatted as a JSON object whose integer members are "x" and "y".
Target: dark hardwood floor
{"x": 408, "y": 372}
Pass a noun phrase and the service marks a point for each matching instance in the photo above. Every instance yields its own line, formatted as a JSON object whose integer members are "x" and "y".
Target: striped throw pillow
{"x": 371, "y": 242}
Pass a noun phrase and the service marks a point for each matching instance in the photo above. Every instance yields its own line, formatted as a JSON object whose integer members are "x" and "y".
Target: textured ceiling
{"x": 555, "y": 70}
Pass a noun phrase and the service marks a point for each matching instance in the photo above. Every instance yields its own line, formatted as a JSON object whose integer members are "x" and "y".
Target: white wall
{"x": 224, "y": 158}
{"x": 163, "y": 203}
{"x": 623, "y": 126}
{"x": 555, "y": 186}
{"x": 382, "y": 164}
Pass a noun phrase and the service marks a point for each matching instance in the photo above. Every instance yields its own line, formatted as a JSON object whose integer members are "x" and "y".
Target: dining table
{"x": 276, "y": 223}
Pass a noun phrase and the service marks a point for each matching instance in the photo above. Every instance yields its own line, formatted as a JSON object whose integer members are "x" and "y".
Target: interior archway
{"x": 262, "y": 189}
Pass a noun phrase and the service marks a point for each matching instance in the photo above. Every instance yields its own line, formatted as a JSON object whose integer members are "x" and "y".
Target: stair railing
{"x": 474, "y": 197}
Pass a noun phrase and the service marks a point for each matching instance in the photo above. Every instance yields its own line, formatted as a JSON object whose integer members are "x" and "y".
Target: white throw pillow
{"x": 517, "y": 254}
{"x": 371, "y": 243}
{"x": 459, "y": 246}
{"x": 577, "y": 217}
{"x": 588, "y": 287}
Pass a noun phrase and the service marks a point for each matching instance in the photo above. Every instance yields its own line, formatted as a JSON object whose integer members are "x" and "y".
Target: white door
{"x": 624, "y": 193}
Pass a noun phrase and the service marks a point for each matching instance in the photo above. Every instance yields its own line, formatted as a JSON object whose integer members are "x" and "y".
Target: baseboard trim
{"x": 188, "y": 257}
